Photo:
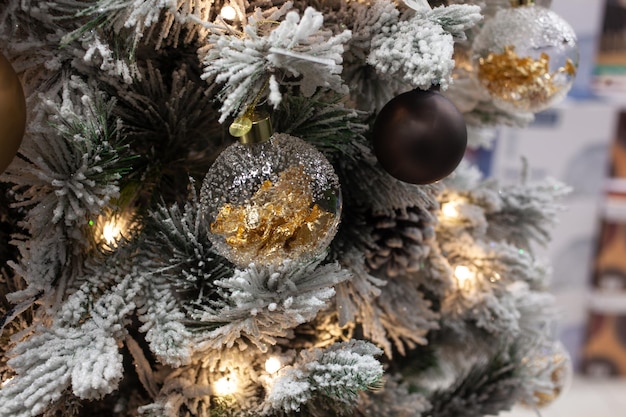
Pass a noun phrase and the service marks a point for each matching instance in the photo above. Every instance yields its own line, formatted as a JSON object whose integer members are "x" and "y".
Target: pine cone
{"x": 400, "y": 240}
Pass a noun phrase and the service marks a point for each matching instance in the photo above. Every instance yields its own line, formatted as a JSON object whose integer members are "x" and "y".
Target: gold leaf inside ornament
{"x": 556, "y": 366}
{"x": 280, "y": 221}
{"x": 512, "y": 78}
{"x": 557, "y": 377}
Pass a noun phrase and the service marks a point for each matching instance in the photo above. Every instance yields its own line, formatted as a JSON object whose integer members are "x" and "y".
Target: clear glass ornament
{"x": 526, "y": 58}
{"x": 270, "y": 202}
{"x": 553, "y": 368}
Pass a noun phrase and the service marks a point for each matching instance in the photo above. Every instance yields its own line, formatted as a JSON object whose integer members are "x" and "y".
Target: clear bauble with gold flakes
{"x": 552, "y": 367}
{"x": 270, "y": 198}
{"x": 526, "y": 57}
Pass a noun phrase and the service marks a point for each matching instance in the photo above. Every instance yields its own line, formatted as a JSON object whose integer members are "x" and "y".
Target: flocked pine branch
{"x": 77, "y": 36}
{"x": 456, "y": 19}
{"x": 488, "y": 387}
{"x": 66, "y": 174}
{"x": 520, "y": 214}
{"x": 481, "y": 137}
{"x": 179, "y": 265}
{"x": 163, "y": 322}
{"x": 249, "y": 63}
{"x": 328, "y": 379}
{"x": 13, "y": 319}
{"x": 77, "y": 351}
{"x": 377, "y": 305}
{"x": 396, "y": 398}
{"x": 406, "y": 331}
{"x": 114, "y": 15}
{"x": 505, "y": 279}
{"x": 196, "y": 387}
{"x": 325, "y": 122}
{"x": 419, "y": 50}
{"x": 72, "y": 175}
{"x": 365, "y": 21}
{"x": 489, "y": 297}
{"x": 369, "y": 90}
{"x": 355, "y": 298}
{"x": 30, "y": 51}
{"x": 529, "y": 211}
{"x": 435, "y": 278}
{"x": 538, "y": 313}
{"x": 55, "y": 359}
{"x": 178, "y": 248}
{"x": 171, "y": 127}
{"x": 365, "y": 299}
{"x": 367, "y": 185}
{"x": 111, "y": 31}
{"x": 257, "y": 304}
{"x": 369, "y": 191}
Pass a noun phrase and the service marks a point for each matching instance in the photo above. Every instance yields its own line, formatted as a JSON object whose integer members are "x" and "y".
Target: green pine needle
{"x": 322, "y": 121}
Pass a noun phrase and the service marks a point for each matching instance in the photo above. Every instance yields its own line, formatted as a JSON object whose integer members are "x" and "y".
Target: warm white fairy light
{"x": 495, "y": 277}
{"x": 112, "y": 228}
{"x": 225, "y": 386}
{"x": 228, "y": 13}
{"x": 111, "y": 232}
{"x": 464, "y": 275}
{"x": 273, "y": 365}
{"x": 450, "y": 209}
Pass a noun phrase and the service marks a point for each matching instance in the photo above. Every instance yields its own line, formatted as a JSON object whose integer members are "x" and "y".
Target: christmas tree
{"x": 254, "y": 208}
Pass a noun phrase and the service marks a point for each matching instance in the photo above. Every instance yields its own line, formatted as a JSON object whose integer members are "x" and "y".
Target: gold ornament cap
{"x": 260, "y": 131}
{"x": 517, "y": 3}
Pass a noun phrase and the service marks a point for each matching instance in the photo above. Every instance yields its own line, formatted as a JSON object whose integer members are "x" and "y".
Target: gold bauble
{"x": 12, "y": 113}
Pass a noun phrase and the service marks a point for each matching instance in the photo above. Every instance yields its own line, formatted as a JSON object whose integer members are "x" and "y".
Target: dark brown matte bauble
{"x": 420, "y": 137}
{"x": 12, "y": 113}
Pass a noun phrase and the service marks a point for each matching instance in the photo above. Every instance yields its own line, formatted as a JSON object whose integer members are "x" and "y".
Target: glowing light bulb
{"x": 228, "y": 13}
{"x": 111, "y": 232}
{"x": 463, "y": 274}
{"x": 225, "y": 386}
{"x": 273, "y": 365}
{"x": 450, "y": 209}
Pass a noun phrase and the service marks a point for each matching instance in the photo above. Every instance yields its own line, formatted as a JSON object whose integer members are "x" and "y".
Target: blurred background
{"x": 583, "y": 143}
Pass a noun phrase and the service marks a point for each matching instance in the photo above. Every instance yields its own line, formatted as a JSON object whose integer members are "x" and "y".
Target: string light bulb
{"x": 450, "y": 209}
{"x": 225, "y": 386}
{"x": 110, "y": 229}
{"x": 111, "y": 232}
{"x": 463, "y": 275}
{"x": 273, "y": 365}
{"x": 228, "y": 13}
